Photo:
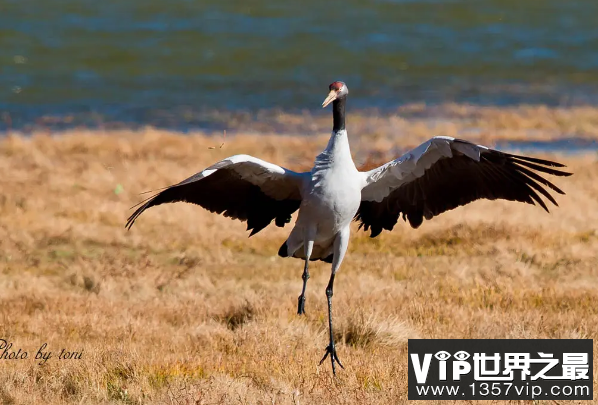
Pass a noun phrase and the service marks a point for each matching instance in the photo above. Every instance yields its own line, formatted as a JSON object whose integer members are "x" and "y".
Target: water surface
{"x": 141, "y": 61}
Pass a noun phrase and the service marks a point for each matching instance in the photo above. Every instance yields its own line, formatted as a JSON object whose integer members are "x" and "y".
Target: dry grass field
{"x": 185, "y": 309}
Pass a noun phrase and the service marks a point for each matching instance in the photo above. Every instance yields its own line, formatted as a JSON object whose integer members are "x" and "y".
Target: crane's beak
{"x": 331, "y": 97}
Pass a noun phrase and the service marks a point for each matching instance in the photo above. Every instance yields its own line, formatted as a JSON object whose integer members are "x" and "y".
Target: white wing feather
{"x": 275, "y": 181}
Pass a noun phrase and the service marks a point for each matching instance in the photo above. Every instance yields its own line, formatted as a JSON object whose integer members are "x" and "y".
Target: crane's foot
{"x": 301, "y": 305}
{"x": 331, "y": 350}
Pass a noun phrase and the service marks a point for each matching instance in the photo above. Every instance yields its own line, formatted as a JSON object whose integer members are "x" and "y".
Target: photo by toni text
{"x": 42, "y": 354}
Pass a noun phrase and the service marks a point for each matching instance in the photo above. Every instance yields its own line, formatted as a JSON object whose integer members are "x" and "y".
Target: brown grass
{"x": 185, "y": 309}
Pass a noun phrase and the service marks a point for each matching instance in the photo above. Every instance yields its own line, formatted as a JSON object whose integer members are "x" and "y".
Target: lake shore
{"x": 411, "y": 123}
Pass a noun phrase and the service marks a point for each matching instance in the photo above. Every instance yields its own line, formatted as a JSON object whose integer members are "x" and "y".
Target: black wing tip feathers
{"x": 131, "y": 220}
{"x": 526, "y": 160}
{"x": 146, "y": 204}
{"x": 523, "y": 167}
{"x": 544, "y": 162}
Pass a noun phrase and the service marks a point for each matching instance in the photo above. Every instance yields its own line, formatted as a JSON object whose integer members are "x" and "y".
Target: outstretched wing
{"x": 240, "y": 187}
{"x": 444, "y": 173}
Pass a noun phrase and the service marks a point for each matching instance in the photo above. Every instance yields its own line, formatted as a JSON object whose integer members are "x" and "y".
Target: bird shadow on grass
{"x": 237, "y": 315}
{"x": 362, "y": 329}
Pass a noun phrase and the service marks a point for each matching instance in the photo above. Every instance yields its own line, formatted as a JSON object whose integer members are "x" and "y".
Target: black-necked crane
{"x": 439, "y": 175}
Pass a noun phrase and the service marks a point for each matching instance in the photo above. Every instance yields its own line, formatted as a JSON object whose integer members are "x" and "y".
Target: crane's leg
{"x": 309, "y": 246}
{"x": 340, "y": 248}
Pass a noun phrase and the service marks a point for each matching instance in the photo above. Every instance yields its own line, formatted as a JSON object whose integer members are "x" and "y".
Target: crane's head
{"x": 337, "y": 90}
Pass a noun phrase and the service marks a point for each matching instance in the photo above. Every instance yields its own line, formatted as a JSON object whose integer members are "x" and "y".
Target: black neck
{"x": 338, "y": 113}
